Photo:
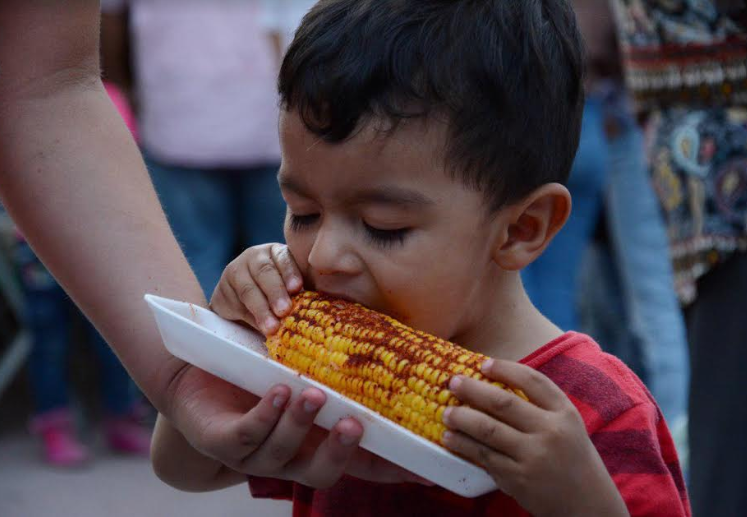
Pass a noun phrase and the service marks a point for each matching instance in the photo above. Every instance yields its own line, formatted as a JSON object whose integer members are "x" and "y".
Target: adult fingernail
{"x": 294, "y": 283}
{"x": 447, "y": 413}
{"x": 487, "y": 365}
{"x": 455, "y": 383}
{"x": 347, "y": 440}
{"x": 447, "y": 436}
{"x": 279, "y": 401}
{"x": 309, "y": 406}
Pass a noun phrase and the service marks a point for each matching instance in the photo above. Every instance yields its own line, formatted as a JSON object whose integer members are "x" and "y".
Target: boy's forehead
{"x": 415, "y": 145}
{"x": 403, "y": 168}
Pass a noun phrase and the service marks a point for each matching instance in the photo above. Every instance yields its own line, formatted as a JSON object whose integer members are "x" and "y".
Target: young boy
{"x": 424, "y": 149}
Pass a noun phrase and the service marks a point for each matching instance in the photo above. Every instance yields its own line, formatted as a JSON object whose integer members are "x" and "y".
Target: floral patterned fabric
{"x": 699, "y": 169}
{"x": 686, "y": 68}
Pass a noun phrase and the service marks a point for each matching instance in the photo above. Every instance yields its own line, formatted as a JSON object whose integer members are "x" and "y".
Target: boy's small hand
{"x": 539, "y": 453}
{"x": 255, "y": 287}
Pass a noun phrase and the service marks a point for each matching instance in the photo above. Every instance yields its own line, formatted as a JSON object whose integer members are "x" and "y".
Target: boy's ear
{"x": 530, "y": 224}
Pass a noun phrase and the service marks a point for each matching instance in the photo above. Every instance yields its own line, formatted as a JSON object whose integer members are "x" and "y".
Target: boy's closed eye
{"x": 386, "y": 237}
{"x": 383, "y": 237}
{"x": 302, "y": 222}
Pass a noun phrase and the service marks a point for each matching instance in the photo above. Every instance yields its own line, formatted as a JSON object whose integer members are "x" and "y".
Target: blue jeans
{"x": 48, "y": 317}
{"x": 647, "y": 329}
{"x": 551, "y": 281}
{"x": 215, "y": 213}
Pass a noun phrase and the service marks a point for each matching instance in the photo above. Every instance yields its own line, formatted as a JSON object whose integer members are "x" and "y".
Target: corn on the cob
{"x": 397, "y": 371}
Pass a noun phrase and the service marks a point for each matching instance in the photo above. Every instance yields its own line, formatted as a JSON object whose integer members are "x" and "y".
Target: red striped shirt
{"x": 621, "y": 417}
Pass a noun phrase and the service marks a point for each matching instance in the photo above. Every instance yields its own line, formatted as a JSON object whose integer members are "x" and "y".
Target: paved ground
{"x": 112, "y": 486}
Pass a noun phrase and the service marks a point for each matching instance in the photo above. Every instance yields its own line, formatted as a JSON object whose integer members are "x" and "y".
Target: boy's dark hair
{"x": 506, "y": 75}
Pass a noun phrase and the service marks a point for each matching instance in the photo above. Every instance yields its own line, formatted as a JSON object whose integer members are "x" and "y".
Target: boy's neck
{"x": 507, "y": 326}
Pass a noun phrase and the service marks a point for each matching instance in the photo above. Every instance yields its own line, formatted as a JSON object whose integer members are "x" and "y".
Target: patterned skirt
{"x": 698, "y": 163}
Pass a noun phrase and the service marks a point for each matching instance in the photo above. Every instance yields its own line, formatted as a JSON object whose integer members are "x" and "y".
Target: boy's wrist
{"x": 607, "y": 507}
{"x": 599, "y": 496}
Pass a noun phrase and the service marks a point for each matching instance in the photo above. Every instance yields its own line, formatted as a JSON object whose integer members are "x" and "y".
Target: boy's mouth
{"x": 340, "y": 296}
{"x": 311, "y": 284}
{"x": 355, "y": 299}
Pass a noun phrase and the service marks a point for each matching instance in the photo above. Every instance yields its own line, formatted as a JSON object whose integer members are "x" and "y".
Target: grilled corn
{"x": 401, "y": 373}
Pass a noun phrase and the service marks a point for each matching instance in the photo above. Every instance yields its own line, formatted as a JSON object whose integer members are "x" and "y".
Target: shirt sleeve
{"x": 639, "y": 454}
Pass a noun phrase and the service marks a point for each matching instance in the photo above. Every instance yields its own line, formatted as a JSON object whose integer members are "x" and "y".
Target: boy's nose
{"x": 331, "y": 255}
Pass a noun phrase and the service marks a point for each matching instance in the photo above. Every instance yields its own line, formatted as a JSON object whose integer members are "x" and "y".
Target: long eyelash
{"x": 386, "y": 238}
{"x": 302, "y": 222}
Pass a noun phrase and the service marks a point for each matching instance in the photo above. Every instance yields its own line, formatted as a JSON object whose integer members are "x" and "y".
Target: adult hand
{"x": 273, "y": 436}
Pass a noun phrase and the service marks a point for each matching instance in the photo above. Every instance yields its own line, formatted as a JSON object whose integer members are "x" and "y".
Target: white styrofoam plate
{"x": 239, "y": 356}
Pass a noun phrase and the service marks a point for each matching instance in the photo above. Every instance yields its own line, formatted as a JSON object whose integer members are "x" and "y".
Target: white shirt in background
{"x": 206, "y": 79}
{"x": 284, "y": 16}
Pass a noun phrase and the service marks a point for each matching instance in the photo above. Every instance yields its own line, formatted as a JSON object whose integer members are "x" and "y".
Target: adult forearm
{"x": 74, "y": 182}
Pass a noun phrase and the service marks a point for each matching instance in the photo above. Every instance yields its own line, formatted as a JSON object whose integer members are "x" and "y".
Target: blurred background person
{"x": 622, "y": 293}
{"x": 626, "y": 295}
{"x": 686, "y": 67}
{"x": 552, "y": 280}
{"x": 207, "y": 107}
{"x": 50, "y": 316}
{"x": 281, "y": 18}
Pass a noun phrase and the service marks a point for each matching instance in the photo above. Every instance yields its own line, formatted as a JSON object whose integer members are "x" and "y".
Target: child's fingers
{"x": 287, "y": 266}
{"x": 251, "y": 296}
{"x": 286, "y": 439}
{"x": 226, "y": 304}
{"x": 499, "y": 403}
{"x": 266, "y": 275}
{"x": 540, "y": 390}
{"x": 333, "y": 454}
{"x": 484, "y": 429}
{"x": 497, "y": 464}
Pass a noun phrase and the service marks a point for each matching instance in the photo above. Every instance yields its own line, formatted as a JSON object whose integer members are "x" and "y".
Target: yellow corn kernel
{"x": 375, "y": 360}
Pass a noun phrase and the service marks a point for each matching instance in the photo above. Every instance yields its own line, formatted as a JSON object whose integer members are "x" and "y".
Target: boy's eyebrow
{"x": 391, "y": 195}
{"x": 388, "y": 195}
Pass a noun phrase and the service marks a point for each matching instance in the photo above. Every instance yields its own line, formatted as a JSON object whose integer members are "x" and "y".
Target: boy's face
{"x": 379, "y": 220}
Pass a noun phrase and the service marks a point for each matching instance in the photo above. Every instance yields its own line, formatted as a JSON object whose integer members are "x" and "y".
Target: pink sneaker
{"x": 126, "y": 435}
{"x": 61, "y": 447}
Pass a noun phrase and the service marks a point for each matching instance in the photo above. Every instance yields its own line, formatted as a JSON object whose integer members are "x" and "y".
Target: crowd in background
{"x": 652, "y": 263}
